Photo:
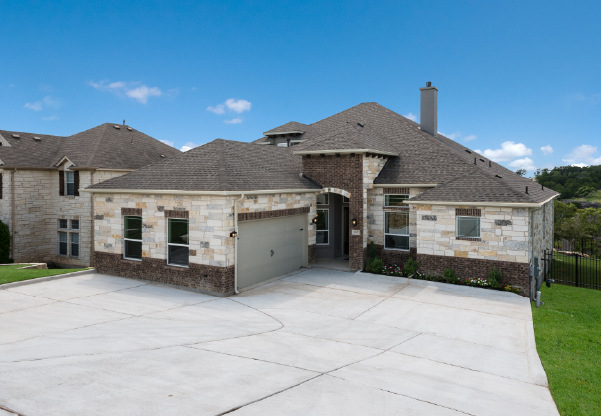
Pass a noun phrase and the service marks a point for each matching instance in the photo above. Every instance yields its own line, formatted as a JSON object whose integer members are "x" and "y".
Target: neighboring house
{"x": 41, "y": 177}
{"x": 228, "y": 215}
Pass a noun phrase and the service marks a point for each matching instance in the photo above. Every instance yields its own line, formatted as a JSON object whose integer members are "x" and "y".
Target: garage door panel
{"x": 285, "y": 236}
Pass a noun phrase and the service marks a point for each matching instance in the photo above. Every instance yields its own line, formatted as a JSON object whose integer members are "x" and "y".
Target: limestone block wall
{"x": 542, "y": 230}
{"x": 504, "y": 234}
{"x": 211, "y": 219}
{"x": 372, "y": 165}
{"x": 5, "y": 201}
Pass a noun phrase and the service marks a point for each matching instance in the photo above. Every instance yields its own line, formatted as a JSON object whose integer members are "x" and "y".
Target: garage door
{"x": 270, "y": 248}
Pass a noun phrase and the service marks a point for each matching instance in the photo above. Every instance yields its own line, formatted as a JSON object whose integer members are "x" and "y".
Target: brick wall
{"x": 344, "y": 172}
{"x": 210, "y": 279}
{"x": 393, "y": 256}
{"x": 516, "y": 274}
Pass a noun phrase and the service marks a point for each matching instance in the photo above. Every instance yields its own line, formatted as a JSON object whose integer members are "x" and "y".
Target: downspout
{"x": 236, "y": 243}
{"x": 92, "y": 221}
{"x": 12, "y": 213}
{"x": 531, "y": 262}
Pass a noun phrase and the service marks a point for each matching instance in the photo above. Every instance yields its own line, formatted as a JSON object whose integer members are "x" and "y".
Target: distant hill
{"x": 572, "y": 181}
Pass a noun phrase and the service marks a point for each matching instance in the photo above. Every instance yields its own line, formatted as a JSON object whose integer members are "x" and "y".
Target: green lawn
{"x": 10, "y": 273}
{"x": 589, "y": 269}
{"x": 568, "y": 339}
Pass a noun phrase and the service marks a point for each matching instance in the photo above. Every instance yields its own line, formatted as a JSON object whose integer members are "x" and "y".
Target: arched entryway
{"x": 333, "y": 228}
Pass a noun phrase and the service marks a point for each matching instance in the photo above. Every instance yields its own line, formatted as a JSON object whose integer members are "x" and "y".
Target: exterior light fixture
{"x": 354, "y": 222}
{"x": 234, "y": 234}
{"x": 314, "y": 220}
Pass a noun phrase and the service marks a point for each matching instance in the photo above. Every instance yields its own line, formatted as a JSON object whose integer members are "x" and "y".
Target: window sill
{"x": 179, "y": 265}
{"x": 397, "y": 249}
{"x": 130, "y": 259}
{"x": 469, "y": 238}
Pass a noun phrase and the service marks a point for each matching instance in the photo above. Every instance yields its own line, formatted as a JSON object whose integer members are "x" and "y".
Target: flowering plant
{"x": 392, "y": 269}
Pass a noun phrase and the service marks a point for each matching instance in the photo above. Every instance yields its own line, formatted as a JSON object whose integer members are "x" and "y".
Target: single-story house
{"x": 228, "y": 215}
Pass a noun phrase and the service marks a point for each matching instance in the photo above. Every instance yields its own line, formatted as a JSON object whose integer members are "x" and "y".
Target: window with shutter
{"x": 61, "y": 183}
{"x": 76, "y": 182}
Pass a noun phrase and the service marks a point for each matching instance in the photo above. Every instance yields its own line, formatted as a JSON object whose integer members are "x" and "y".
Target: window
{"x": 133, "y": 237}
{"x": 468, "y": 227}
{"x": 75, "y": 224}
{"x": 323, "y": 226}
{"x": 62, "y": 244}
{"x": 70, "y": 180}
{"x": 74, "y": 244}
{"x": 177, "y": 248}
{"x": 392, "y": 200}
{"x": 345, "y": 200}
{"x": 396, "y": 230}
{"x": 62, "y": 224}
{"x": 323, "y": 199}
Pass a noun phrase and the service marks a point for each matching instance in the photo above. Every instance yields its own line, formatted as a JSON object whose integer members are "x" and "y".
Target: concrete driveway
{"x": 317, "y": 343}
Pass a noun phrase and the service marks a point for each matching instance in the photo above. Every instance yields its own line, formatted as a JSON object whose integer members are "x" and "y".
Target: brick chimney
{"x": 428, "y": 111}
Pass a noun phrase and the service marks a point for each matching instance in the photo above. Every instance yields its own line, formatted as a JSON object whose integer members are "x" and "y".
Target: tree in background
{"x": 521, "y": 172}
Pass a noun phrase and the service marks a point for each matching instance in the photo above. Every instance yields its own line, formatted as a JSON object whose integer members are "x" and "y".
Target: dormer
{"x": 286, "y": 135}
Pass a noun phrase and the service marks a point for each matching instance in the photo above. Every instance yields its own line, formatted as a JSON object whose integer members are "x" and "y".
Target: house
{"x": 228, "y": 215}
{"x": 41, "y": 176}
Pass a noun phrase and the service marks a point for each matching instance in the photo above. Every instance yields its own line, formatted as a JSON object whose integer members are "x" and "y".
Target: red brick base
{"x": 516, "y": 274}
{"x": 210, "y": 279}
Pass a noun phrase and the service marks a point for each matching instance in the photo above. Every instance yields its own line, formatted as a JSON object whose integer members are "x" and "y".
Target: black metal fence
{"x": 575, "y": 263}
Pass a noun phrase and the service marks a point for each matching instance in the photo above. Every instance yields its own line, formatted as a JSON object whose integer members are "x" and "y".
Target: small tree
{"x": 4, "y": 244}
{"x": 521, "y": 172}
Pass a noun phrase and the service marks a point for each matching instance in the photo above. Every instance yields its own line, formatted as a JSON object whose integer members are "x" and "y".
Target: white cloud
{"x": 188, "y": 146}
{"x": 583, "y": 155}
{"x": 411, "y": 117}
{"x": 525, "y": 163}
{"x": 238, "y": 106}
{"x": 451, "y": 136}
{"x": 547, "y": 150}
{"x": 218, "y": 109}
{"x": 136, "y": 90}
{"x": 458, "y": 136}
{"x": 46, "y": 102}
{"x": 470, "y": 138}
{"x": 509, "y": 150}
{"x": 580, "y": 165}
{"x": 167, "y": 142}
{"x": 233, "y": 121}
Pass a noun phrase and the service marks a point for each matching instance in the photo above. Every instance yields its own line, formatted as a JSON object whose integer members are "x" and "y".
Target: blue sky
{"x": 518, "y": 80}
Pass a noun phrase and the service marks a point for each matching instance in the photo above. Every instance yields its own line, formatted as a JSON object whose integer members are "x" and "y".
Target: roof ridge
{"x": 98, "y": 142}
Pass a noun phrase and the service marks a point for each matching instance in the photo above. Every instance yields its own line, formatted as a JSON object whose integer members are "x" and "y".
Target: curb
{"x": 45, "y": 279}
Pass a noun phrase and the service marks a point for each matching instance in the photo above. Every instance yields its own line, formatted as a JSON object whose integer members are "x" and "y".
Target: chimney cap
{"x": 428, "y": 84}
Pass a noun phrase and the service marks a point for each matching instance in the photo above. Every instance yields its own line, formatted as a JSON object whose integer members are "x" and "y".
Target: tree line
{"x": 571, "y": 181}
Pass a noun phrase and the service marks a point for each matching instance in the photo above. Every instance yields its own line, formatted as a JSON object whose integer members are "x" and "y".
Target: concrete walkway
{"x": 320, "y": 342}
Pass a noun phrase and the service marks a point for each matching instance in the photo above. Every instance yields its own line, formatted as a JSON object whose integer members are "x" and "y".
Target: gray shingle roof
{"x": 288, "y": 127}
{"x": 103, "y": 146}
{"x": 423, "y": 158}
{"x": 221, "y": 165}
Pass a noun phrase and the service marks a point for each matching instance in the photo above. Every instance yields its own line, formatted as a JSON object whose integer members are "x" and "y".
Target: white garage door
{"x": 270, "y": 248}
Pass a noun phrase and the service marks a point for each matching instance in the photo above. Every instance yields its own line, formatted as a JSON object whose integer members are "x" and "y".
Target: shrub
{"x": 450, "y": 276}
{"x": 494, "y": 277}
{"x": 392, "y": 269}
{"x": 376, "y": 265}
{"x": 410, "y": 267}
{"x": 4, "y": 244}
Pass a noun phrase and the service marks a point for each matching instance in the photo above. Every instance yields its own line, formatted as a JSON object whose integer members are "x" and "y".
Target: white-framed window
{"x": 468, "y": 227}
{"x": 132, "y": 237}
{"x": 75, "y": 224}
{"x": 74, "y": 244}
{"x": 323, "y": 199}
{"x": 178, "y": 250}
{"x": 63, "y": 245}
{"x": 396, "y": 230}
{"x": 345, "y": 200}
{"x": 322, "y": 227}
{"x": 395, "y": 200}
{"x": 70, "y": 182}
{"x": 63, "y": 224}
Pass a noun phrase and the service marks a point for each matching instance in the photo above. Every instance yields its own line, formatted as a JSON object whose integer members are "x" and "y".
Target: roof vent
{"x": 37, "y": 138}
{"x": 360, "y": 124}
{"x": 526, "y": 189}
{"x": 498, "y": 176}
{"x": 16, "y": 136}
{"x": 130, "y": 129}
{"x": 482, "y": 160}
{"x": 475, "y": 161}
{"x": 489, "y": 164}
{"x": 162, "y": 156}
{"x": 469, "y": 151}
{"x": 117, "y": 126}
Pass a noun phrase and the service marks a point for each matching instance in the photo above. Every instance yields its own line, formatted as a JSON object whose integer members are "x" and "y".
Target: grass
{"x": 589, "y": 270}
{"x": 568, "y": 339}
{"x": 9, "y": 274}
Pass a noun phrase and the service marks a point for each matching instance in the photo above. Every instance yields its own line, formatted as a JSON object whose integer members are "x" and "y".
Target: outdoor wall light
{"x": 234, "y": 234}
{"x": 314, "y": 220}
{"x": 354, "y": 222}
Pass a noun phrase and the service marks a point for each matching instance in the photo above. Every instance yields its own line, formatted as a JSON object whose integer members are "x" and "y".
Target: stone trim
{"x": 502, "y": 223}
{"x": 406, "y": 209}
{"x": 131, "y": 211}
{"x": 209, "y": 279}
{"x": 172, "y": 213}
{"x": 468, "y": 212}
{"x": 516, "y": 274}
{"x": 469, "y": 238}
{"x": 396, "y": 191}
{"x": 261, "y": 215}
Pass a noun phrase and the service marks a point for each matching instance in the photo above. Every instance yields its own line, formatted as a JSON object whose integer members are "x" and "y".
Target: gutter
{"x": 406, "y": 185}
{"x": 12, "y": 214}
{"x": 236, "y": 243}
{"x": 483, "y": 203}
{"x": 343, "y": 151}
{"x": 176, "y": 192}
{"x": 92, "y": 222}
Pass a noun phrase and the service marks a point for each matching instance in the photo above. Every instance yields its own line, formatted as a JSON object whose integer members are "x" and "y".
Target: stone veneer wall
{"x": 504, "y": 243}
{"x": 542, "y": 226}
{"x": 345, "y": 172}
{"x": 211, "y": 219}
